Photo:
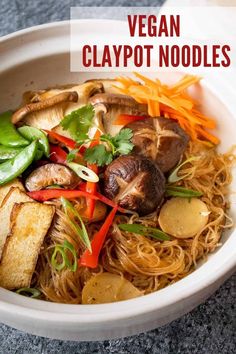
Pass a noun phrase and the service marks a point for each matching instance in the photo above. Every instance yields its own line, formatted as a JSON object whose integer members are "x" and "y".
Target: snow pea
{"x": 7, "y": 152}
{"x": 14, "y": 167}
{"x": 31, "y": 133}
{"x": 38, "y": 155}
{"x": 9, "y": 136}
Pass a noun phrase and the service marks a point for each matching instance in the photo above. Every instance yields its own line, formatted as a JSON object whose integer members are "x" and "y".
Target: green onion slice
{"x": 176, "y": 191}
{"x": 83, "y": 172}
{"x": 54, "y": 186}
{"x": 79, "y": 229}
{"x": 173, "y": 177}
{"x": 61, "y": 249}
{"x": 29, "y": 292}
{"x": 145, "y": 231}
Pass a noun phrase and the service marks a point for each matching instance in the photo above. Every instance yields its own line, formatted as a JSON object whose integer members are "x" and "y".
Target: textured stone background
{"x": 208, "y": 329}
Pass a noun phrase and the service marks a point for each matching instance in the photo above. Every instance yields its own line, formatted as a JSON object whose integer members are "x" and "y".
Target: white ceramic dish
{"x": 37, "y": 58}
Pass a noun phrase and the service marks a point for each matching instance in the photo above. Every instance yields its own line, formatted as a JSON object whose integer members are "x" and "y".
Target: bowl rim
{"x": 215, "y": 268}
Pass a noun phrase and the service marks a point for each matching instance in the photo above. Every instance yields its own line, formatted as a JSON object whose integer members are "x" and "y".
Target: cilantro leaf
{"x": 98, "y": 155}
{"x": 120, "y": 144}
{"x": 122, "y": 141}
{"x": 124, "y": 135}
{"x": 72, "y": 154}
{"x": 78, "y": 122}
{"x": 124, "y": 148}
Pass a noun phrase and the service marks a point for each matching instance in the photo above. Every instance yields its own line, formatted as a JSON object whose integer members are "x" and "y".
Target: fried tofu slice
{"x": 6, "y": 188}
{"x": 14, "y": 195}
{"x": 30, "y": 222}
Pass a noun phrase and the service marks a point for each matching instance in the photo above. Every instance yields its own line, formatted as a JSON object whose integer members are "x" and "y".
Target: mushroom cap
{"x": 111, "y": 105}
{"x": 45, "y": 109}
{"x": 117, "y": 99}
{"x": 159, "y": 139}
{"x": 135, "y": 183}
{"x": 50, "y": 174}
{"x": 40, "y": 105}
{"x": 109, "y": 85}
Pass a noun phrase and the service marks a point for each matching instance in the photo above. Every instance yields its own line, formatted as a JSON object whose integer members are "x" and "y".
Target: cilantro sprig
{"x": 120, "y": 144}
{"x": 72, "y": 155}
{"x": 78, "y": 123}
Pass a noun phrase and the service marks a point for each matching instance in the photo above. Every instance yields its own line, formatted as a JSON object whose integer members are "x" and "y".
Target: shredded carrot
{"x": 203, "y": 133}
{"x": 171, "y": 102}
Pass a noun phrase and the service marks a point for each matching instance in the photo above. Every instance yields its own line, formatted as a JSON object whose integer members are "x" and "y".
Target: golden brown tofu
{"x": 6, "y": 188}
{"x": 14, "y": 195}
{"x": 29, "y": 225}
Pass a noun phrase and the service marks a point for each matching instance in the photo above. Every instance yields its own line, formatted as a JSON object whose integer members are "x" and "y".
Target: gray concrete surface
{"x": 208, "y": 329}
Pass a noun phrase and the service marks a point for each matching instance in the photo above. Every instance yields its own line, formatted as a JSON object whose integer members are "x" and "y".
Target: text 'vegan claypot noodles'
{"x": 109, "y": 190}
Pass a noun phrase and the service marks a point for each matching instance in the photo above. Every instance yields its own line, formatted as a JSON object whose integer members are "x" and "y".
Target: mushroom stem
{"x": 52, "y": 101}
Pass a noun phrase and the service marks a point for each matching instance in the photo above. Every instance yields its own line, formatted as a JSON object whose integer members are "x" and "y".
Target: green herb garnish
{"x": 173, "y": 177}
{"x": 78, "y": 123}
{"x": 29, "y": 292}
{"x": 120, "y": 144}
{"x": 98, "y": 155}
{"x": 176, "y": 191}
{"x": 72, "y": 155}
{"x": 77, "y": 223}
{"x": 145, "y": 231}
{"x": 62, "y": 250}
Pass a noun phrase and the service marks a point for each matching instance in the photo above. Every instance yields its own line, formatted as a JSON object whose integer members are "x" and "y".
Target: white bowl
{"x": 39, "y": 57}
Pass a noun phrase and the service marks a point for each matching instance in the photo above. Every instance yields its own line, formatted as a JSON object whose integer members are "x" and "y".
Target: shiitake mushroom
{"x": 109, "y": 106}
{"x": 135, "y": 183}
{"x": 49, "y": 174}
{"x": 159, "y": 139}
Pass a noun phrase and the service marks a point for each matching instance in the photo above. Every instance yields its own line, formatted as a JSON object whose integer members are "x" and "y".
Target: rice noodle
{"x": 148, "y": 263}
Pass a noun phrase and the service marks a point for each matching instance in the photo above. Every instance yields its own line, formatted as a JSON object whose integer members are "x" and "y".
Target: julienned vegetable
{"x": 171, "y": 102}
{"x": 69, "y": 143}
{"x": 7, "y": 153}
{"x": 65, "y": 263}
{"x": 47, "y": 194}
{"x": 124, "y": 119}
{"x": 62, "y": 139}
{"x": 91, "y": 187}
{"x": 8, "y": 133}
{"x": 17, "y": 165}
{"x": 57, "y": 154}
{"x": 145, "y": 231}
{"x": 29, "y": 292}
{"x": 76, "y": 222}
{"x": 31, "y": 134}
{"x": 91, "y": 259}
{"x": 176, "y": 191}
{"x": 83, "y": 172}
